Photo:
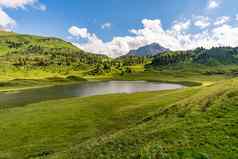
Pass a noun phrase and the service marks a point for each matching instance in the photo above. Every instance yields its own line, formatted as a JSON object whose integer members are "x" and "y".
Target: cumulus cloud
{"x": 225, "y": 35}
{"x": 6, "y": 22}
{"x": 180, "y": 26}
{"x": 106, "y": 25}
{"x": 176, "y": 38}
{"x": 21, "y": 4}
{"x": 16, "y": 3}
{"x": 221, "y": 20}
{"x": 213, "y": 4}
{"x": 79, "y": 32}
{"x": 202, "y": 22}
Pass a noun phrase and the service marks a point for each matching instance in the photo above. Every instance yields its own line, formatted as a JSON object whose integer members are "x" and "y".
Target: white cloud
{"x": 152, "y": 24}
{"x": 226, "y": 35}
{"x": 79, "y": 32}
{"x": 180, "y": 26}
{"x": 6, "y": 22}
{"x": 236, "y": 16}
{"x": 174, "y": 38}
{"x": 202, "y": 22}
{"x": 106, "y": 25}
{"x": 22, "y": 4}
{"x": 16, "y": 3}
{"x": 221, "y": 20}
{"x": 213, "y": 4}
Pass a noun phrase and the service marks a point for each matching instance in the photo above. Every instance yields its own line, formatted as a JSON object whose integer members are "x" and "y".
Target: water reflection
{"x": 82, "y": 89}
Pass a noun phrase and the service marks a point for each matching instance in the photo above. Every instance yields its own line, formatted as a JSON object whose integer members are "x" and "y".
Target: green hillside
{"x": 34, "y": 57}
{"x": 192, "y": 123}
{"x": 202, "y": 126}
{"x": 200, "y": 56}
{"x": 22, "y": 55}
{"x": 199, "y": 121}
{"x": 209, "y": 57}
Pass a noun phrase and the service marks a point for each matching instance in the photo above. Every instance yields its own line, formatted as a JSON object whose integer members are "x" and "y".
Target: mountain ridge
{"x": 148, "y": 50}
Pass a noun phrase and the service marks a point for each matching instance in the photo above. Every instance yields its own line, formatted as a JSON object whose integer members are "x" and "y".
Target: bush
{"x": 75, "y": 78}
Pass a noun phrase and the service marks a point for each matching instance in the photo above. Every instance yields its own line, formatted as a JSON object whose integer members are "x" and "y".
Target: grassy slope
{"x": 50, "y": 127}
{"x": 9, "y": 72}
{"x": 188, "y": 78}
{"x": 198, "y": 122}
{"x": 22, "y": 84}
{"x": 36, "y": 57}
{"x": 184, "y": 77}
{"x": 202, "y": 126}
{"x": 32, "y": 40}
{"x": 30, "y": 76}
{"x": 193, "y": 123}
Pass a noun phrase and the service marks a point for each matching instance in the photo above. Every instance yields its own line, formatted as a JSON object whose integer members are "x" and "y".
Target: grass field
{"x": 193, "y": 123}
{"x": 52, "y": 126}
{"x": 202, "y": 126}
{"x": 21, "y": 84}
{"x": 199, "y": 121}
{"x": 186, "y": 78}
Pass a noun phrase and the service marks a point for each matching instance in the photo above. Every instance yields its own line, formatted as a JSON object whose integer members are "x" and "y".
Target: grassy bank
{"x": 202, "y": 126}
{"x": 168, "y": 76}
{"x": 173, "y": 76}
{"x": 21, "y": 84}
{"x": 197, "y": 122}
{"x": 49, "y": 127}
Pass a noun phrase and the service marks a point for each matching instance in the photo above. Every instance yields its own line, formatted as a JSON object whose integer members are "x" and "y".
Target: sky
{"x": 114, "y": 27}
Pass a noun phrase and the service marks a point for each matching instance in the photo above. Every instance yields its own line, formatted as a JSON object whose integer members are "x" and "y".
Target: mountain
{"x": 148, "y": 50}
{"x": 207, "y": 57}
{"x": 47, "y": 53}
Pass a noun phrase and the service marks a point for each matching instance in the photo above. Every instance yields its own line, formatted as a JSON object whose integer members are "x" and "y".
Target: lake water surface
{"x": 81, "y": 90}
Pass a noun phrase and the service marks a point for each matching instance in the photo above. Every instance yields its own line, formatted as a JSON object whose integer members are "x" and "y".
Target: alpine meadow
{"x": 118, "y": 79}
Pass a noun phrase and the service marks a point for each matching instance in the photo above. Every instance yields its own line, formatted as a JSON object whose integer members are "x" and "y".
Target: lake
{"x": 83, "y": 89}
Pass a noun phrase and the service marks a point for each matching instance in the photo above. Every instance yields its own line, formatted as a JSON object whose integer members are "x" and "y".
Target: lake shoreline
{"x": 43, "y": 83}
{"x": 82, "y": 89}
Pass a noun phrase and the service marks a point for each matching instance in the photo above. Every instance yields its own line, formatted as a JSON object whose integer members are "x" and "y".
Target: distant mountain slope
{"x": 208, "y": 57}
{"x": 10, "y": 42}
{"x": 36, "y": 51}
{"x": 148, "y": 50}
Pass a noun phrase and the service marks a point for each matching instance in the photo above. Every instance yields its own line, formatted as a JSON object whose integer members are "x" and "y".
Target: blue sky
{"x": 115, "y": 26}
{"x": 123, "y": 14}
